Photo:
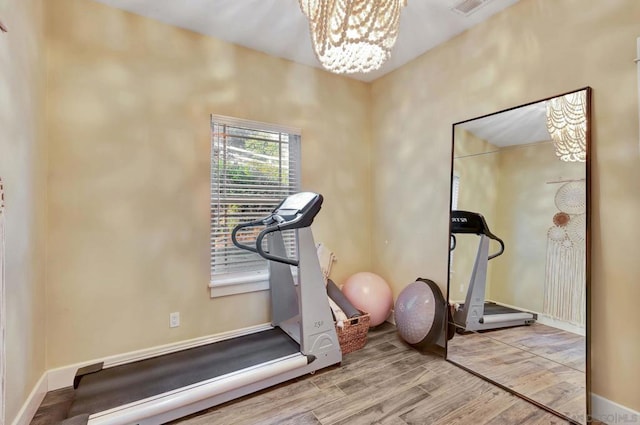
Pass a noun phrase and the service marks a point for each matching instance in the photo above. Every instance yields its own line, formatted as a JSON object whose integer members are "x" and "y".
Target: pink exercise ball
{"x": 370, "y": 293}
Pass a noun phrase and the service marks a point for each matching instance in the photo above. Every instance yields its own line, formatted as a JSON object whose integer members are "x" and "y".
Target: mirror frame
{"x": 588, "y": 406}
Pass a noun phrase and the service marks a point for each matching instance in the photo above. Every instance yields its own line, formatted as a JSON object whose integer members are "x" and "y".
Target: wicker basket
{"x": 353, "y": 335}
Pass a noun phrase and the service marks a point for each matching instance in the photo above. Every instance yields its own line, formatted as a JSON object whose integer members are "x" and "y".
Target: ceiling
{"x": 278, "y": 27}
{"x": 519, "y": 126}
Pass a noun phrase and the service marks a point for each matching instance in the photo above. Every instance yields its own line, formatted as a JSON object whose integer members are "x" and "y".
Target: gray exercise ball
{"x": 419, "y": 313}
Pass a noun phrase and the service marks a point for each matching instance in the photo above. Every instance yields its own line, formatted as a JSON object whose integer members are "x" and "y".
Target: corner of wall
{"x": 30, "y": 407}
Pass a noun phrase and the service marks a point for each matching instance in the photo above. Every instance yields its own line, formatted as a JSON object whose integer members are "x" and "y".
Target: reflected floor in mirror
{"x": 540, "y": 362}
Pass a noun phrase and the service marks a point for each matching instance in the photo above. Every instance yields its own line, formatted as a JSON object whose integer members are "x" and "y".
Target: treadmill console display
{"x": 468, "y": 222}
{"x": 297, "y": 203}
{"x": 296, "y": 211}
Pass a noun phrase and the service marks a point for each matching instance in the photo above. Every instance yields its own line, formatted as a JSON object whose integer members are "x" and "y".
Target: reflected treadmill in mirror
{"x": 476, "y": 313}
{"x": 519, "y": 247}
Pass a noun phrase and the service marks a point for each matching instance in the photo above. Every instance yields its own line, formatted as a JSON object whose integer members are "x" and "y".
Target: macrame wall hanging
{"x": 564, "y": 287}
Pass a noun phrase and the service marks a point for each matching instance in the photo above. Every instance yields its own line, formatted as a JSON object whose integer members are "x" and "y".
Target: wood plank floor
{"x": 386, "y": 382}
{"x": 554, "y": 344}
{"x": 540, "y": 362}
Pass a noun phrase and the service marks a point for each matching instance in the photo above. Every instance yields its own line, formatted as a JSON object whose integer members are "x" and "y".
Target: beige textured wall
{"x": 524, "y": 213}
{"x": 128, "y": 117}
{"x": 534, "y": 49}
{"x": 478, "y": 170}
{"x": 23, "y": 170}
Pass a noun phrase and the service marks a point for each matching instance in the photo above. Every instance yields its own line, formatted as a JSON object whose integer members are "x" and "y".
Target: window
{"x": 455, "y": 186}
{"x": 253, "y": 167}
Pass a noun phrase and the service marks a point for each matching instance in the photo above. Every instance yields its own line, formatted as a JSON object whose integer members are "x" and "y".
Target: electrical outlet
{"x": 462, "y": 287}
{"x": 174, "y": 320}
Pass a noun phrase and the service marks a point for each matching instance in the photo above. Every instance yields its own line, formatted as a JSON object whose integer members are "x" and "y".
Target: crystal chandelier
{"x": 351, "y": 36}
{"x": 567, "y": 125}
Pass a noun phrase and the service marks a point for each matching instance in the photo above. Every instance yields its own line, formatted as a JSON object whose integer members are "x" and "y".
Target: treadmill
{"x": 300, "y": 340}
{"x": 476, "y": 314}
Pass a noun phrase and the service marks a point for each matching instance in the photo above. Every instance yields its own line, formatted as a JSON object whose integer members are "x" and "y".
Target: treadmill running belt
{"x": 126, "y": 383}
{"x": 493, "y": 308}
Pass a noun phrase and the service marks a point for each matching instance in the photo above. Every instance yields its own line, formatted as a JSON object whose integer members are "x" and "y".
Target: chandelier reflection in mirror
{"x": 567, "y": 125}
{"x": 350, "y": 36}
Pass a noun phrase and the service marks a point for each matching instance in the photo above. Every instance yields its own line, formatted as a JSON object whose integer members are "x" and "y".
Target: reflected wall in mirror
{"x": 519, "y": 256}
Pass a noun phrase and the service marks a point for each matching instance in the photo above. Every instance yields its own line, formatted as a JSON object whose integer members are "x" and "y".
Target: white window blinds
{"x": 254, "y": 166}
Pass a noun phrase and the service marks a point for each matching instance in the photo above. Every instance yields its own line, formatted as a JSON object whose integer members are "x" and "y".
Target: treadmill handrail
{"x": 497, "y": 254}
{"x": 473, "y": 222}
{"x": 268, "y": 256}
{"x": 240, "y": 226}
{"x": 258, "y": 248}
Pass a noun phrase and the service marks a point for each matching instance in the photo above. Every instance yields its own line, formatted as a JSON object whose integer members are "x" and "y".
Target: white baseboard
{"x": 30, "y": 407}
{"x": 561, "y": 324}
{"x": 611, "y": 412}
{"x": 63, "y": 376}
{"x": 392, "y": 318}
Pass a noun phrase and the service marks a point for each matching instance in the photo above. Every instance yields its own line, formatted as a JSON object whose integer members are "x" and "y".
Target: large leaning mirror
{"x": 519, "y": 261}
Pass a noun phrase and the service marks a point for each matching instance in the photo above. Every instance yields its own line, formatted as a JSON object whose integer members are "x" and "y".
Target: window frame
{"x": 257, "y": 280}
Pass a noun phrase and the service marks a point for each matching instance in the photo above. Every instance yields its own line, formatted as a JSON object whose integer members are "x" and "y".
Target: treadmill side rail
{"x": 154, "y": 407}
{"x": 83, "y": 371}
{"x": 499, "y": 318}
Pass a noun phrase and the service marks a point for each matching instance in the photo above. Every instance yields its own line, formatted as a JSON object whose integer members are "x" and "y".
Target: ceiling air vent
{"x": 467, "y": 7}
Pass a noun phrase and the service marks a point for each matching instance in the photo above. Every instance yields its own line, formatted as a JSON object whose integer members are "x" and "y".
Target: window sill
{"x": 242, "y": 283}
{"x": 239, "y": 283}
